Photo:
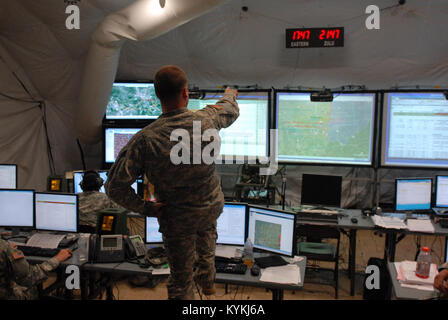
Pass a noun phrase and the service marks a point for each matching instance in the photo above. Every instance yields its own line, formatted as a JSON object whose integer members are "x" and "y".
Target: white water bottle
{"x": 423, "y": 263}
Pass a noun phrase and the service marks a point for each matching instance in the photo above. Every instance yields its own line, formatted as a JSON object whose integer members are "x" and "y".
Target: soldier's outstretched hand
{"x": 230, "y": 90}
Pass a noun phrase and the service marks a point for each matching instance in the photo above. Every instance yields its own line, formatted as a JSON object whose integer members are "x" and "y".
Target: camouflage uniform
{"x": 18, "y": 279}
{"x": 90, "y": 202}
{"x": 192, "y": 192}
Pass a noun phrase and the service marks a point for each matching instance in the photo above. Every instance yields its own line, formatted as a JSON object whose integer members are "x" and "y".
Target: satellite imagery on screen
{"x": 133, "y": 101}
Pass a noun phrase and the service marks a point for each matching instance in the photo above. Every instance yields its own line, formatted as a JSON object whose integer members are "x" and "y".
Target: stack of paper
{"x": 288, "y": 274}
{"x": 407, "y": 277}
{"x": 421, "y": 225}
{"x": 389, "y": 222}
{"x": 45, "y": 240}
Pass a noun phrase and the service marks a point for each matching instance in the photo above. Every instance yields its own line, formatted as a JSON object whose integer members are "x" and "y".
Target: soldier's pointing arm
{"x": 225, "y": 111}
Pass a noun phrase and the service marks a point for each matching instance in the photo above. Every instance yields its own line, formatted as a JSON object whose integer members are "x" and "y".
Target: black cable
{"x": 42, "y": 106}
{"x": 82, "y": 155}
{"x": 18, "y": 99}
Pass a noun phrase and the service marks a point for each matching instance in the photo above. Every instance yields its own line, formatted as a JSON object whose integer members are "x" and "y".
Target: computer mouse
{"x": 255, "y": 270}
{"x": 354, "y": 220}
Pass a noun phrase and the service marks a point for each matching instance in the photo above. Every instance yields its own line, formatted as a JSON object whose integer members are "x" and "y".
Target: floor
{"x": 123, "y": 290}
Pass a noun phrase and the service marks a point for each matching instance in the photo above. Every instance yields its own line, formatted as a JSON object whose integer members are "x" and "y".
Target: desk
{"x": 364, "y": 223}
{"x": 407, "y": 293}
{"x": 393, "y": 236}
{"x": 344, "y": 223}
{"x": 248, "y": 279}
{"x": 126, "y": 268}
{"x": 60, "y": 272}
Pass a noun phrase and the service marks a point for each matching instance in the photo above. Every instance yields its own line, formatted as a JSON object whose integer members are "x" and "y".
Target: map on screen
{"x": 334, "y": 132}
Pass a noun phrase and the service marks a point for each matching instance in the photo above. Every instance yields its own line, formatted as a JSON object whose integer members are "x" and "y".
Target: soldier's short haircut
{"x": 169, "y": 82}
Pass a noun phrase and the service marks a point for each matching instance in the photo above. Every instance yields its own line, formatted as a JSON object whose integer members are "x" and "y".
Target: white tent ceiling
{"x": 225, "y": 46}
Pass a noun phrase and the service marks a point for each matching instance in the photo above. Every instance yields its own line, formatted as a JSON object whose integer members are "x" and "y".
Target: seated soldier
{"x": 91, "y": 200}
{"x": 19, "y": 279}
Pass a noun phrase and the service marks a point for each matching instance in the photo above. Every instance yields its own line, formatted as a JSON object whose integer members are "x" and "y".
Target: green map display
{"x": 268, "y": 234}
{"x": 332, "y": 132}
{"x": 133, "y": 101}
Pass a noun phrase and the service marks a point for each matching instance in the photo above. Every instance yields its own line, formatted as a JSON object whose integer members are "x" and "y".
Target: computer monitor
{"x": 337, "y": 132}
{"x": 248, "y": 137}
{"x": 413, "y": 194}
{"x": 414, "y": 131}
{"x": 78, "y": 176}
{"x": 446, "y": 250}
{"x": 441, "y": 191}
{"x": 8, "y": 176}
{"x": 321, "y": 190}
{"x": 133, "y": 101}
{"x": 16, "y": 208}
{"x": 56, "y": 212}
{"x": 272, "y": 230}
{"x": 115, "y": 139}
{"x": 152, "y": 234}
{"x": 231, "y": 224}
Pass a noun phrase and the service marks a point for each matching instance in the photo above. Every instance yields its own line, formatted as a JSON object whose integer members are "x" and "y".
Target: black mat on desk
{"x": 270, "y": 261}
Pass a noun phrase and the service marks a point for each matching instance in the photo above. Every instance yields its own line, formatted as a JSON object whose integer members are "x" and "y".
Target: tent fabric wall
{"x": 225, "y": 46}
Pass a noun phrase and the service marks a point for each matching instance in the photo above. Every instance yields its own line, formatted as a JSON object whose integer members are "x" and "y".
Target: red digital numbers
{"x": 326, "y": 34}
{"x": 301, "y": 35}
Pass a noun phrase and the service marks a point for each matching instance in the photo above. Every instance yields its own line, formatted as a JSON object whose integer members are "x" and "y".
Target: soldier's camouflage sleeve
{"x": 224, "y": 112}
{"x": 25, "y": 274}
{"x": 124, "y": 172}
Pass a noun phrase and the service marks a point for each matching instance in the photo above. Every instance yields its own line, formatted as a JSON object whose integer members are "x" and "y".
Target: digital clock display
{"x": 315, "y": 37}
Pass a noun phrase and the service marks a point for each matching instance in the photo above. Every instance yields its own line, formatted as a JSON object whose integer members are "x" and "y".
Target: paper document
{"x": 226, "y": 252}
{"x": 421, "y": 225}
{"x": 389, "y": 222}
{"x": 45, "y": 240}
{"x": 406, "y": 273}
{"x": 289, "y": 274}
{"x": 160, "y": 271}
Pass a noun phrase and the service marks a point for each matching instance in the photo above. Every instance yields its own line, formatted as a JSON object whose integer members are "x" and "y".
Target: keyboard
{"x": 37, "y": 251}
{"x": 316, "y": 215}
{"x": 230, "y": 267}
{"x": 320, "y": 211}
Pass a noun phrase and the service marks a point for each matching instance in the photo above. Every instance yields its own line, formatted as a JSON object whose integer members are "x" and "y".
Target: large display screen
{"x": 115, "y": 139}
{"x": 337, "y": 132}
{"x": 248, "y": 136}
{"x": 133, "y": 101}
{"x": 8, "y": 176}
{"x": 415, "y": 130}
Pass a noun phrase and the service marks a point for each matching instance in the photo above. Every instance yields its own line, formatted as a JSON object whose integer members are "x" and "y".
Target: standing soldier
{"x": 19, "y": 279}
{"x": 189, "y": 193}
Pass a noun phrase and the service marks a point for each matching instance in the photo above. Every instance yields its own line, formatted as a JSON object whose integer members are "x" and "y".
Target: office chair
{"x": 310, "y": 244}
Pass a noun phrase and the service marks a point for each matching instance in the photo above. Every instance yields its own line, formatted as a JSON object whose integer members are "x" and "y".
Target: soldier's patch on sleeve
{"x": 17, "y": 255}
{"x": 215, "y": 106}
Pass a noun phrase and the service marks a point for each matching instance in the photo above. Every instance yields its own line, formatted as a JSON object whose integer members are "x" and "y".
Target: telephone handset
{"x": 135, "y": 247}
